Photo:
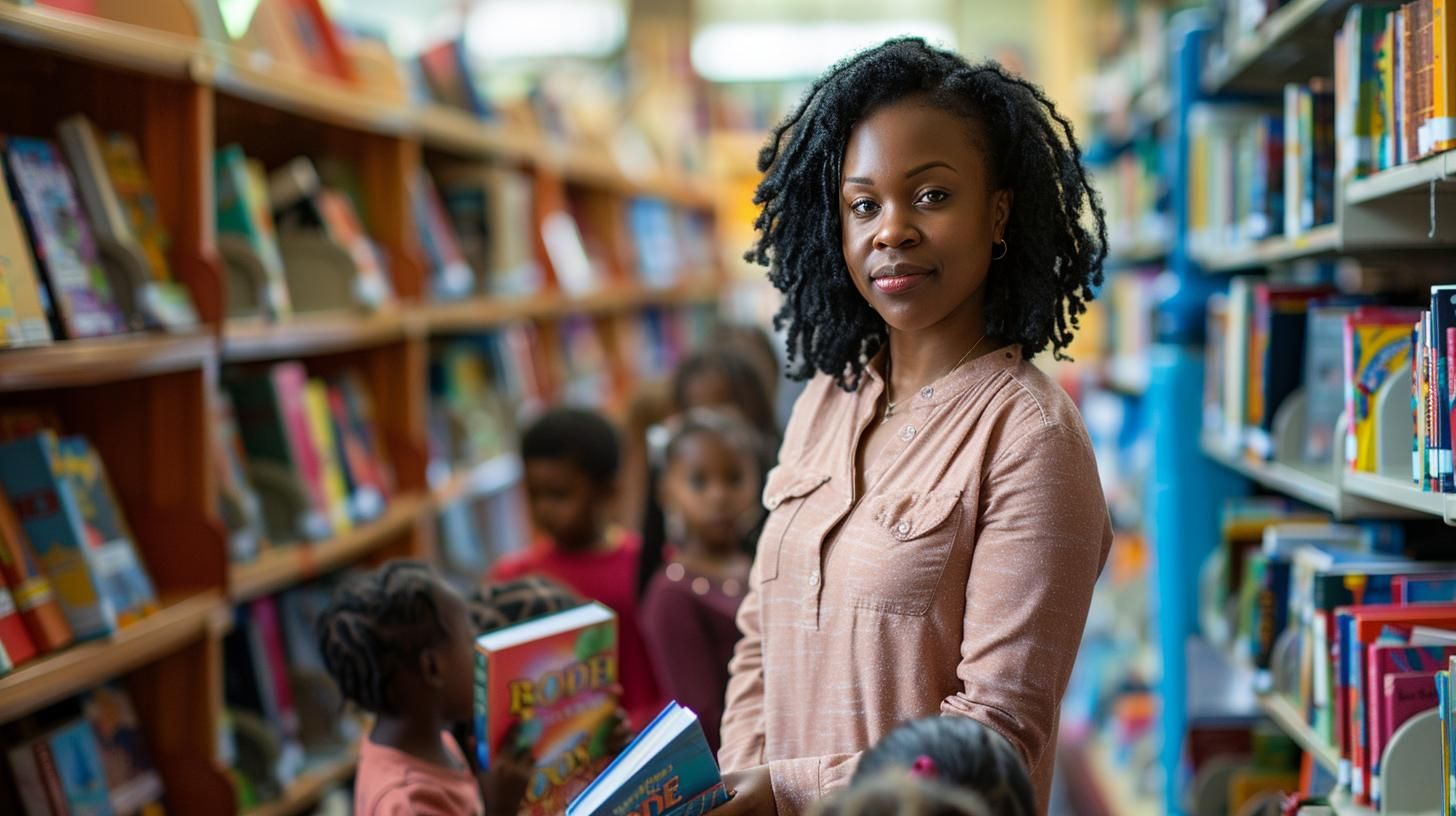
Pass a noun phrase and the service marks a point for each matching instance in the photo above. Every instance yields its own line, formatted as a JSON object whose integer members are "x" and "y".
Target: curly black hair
{"x": 956, "y": 751}
{"x": 582, "y": 437}
{"x": 1056, "y": 238}
{"x": 376, "y": 625}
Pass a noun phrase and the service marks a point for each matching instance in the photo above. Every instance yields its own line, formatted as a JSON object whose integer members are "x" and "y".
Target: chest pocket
{"x": 784, "y": 495}
{"x": 904, "y": 543}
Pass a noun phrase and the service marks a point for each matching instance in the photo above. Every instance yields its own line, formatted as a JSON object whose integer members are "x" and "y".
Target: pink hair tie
{"x": 924, "y": 768}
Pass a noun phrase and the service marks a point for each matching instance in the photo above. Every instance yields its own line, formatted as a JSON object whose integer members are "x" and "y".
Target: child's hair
{"x": 746, "y": 381}
{"x": 728, "y": 425}
{"x": 582, "y": 437}
{"x": 957, "y": 751}
{"x": 508, "y": 603}
{"x": 1056, "y": 239}
{"x": 902, "y": 795}
{"x": 377, "y": 623}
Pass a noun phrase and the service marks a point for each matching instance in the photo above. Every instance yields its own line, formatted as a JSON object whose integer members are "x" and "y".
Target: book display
{"x": 266, "y": 320}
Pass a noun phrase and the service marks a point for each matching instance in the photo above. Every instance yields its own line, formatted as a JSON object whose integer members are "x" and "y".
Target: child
{"x": 722, "y": 379}
{"x": 957, "y": 751}
{"x": 903, "y": 796}
{"x": 709, "y": 489}
{"x": 399, "y": 643}
{"x": 571, "y": 459}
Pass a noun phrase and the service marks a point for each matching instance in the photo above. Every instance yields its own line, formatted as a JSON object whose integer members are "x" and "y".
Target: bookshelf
{"x": 147, "y": 401}
{"x": 1292, "y": 42}
{"x": 1322, "y": 240}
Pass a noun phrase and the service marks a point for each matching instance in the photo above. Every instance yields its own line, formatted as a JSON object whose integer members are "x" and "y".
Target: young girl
{"x": 399, "y": 642}
{"x": 903, "y": 796}
{"x": 936, "y": 519}
{"x": 709, "y": 490}
{"x": 955, "y": 751}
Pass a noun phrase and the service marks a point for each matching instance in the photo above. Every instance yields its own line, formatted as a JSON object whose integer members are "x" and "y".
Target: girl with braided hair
{"x": 399, "y": 642}
{"x": 936, "y": 522}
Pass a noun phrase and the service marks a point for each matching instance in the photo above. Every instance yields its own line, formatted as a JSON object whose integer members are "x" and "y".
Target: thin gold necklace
{"x": 890, "y": 404}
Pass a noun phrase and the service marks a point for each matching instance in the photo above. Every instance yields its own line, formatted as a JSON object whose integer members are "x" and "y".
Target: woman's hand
{"x": 752, "y": 792}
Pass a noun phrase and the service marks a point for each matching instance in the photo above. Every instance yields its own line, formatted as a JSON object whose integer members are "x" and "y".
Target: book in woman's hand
{"x": 667, "y": 771}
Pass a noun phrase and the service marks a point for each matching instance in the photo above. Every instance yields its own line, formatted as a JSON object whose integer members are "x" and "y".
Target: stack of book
{"x": 311, "y": 452}
{"x": 70, "y": 562}
{"x": 82, "y": 246}
{"x": 87, "y": 755}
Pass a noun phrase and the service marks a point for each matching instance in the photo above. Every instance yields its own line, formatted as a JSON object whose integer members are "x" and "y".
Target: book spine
{"x": 291, "y": 385}
{"x": 321, "y": 430}
{"x": 14, "y": 638}
{"x": 1442, "y": 124}
{"x": 30, "y": 587}
{"x": 1418, "y": 437}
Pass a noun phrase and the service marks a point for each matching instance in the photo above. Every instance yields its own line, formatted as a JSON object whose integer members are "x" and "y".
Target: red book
{"x": 290, "y": 382}
{"x": 1382, "y": 661}
{"x": 551, "y": 681}
{"x": 15, "y": 643}
{"x": 319, "y": 40}
{"x": 31, "y": 589}
{"x": 1404, "y": 696}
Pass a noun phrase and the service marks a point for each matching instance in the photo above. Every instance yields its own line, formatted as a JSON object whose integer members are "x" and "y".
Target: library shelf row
{"x": 232, "y": 72}
{"x": 1322, "y": 240}
{"x": 1345, "y": 494}
{"x": 309, "y": 787}
{"x": 69, "y": 363}
{"x": 69, "y": 671}
{"x": 1284, "y": 715}
{"x": 1145, "y": 253}
{"x": 282, "y": 566}
{"x": 1291, "y": 43}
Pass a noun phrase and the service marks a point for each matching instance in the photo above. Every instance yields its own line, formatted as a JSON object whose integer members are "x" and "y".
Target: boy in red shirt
{"x": 571, "y": 457}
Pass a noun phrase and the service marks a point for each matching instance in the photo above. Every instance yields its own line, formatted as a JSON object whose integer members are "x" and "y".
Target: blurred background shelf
{"x": 309, "y": 788}
{"x": 308, "y": 335}
{"x": 103, "y": 359}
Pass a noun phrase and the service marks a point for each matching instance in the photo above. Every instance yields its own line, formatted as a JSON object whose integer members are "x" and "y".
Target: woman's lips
{"x": 899, "y": 282}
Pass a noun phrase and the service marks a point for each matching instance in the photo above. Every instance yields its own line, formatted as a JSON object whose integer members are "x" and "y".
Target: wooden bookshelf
{"x": 71, "y": 363}
{"x": 309, "y": 788}
{"x": 283, "y": 566}
{"x": 82, "y": 666}
{"x": 312, "y": 97}
{"x": 103, "y": 42}
{"x": 458, "y": 132}
{"x": 487, "y": 478}
{"x": 477, "y": 314}
{"x": 311, "y": 335}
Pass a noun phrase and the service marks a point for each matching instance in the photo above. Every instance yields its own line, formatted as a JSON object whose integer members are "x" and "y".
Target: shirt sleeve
{"x": 1043, "y": 535}
{"x": 680, "y": 646}
{"x": 742, "y": 729}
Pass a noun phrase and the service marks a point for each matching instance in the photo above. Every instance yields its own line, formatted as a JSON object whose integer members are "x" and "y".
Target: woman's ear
{"x": 1001, "y": 212}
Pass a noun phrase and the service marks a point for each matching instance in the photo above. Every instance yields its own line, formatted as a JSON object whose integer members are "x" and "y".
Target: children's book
{"x": 667, "y": 771}
{"x": 60, "y": 237}
{"x": 61, "y": 773}
{"x": 321, "y": 429}
{"x": 452, "y": 277}
{"x": 1404, "y": 696}
{"x": 1377, "y": 347}
{"x": 23, "y": 303}
{"x": 133, "y": 781}
{"x": 550, "y": 684}
{"x": 29, "y": 586}
{"x": 273, "y": 420}
{"x": 242, "y": 211}
{"x": 16, "y": 646}
{"x": 1383, "y": 661}
{"x": 1438, "y": 587}
{"x": 67, "y": 512}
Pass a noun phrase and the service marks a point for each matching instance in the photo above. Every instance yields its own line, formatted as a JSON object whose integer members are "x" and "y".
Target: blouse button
{"x": 927, "y": 392}
{"x": 903, "y": 528}
{"x": 907, "y": 433}
{"x": 814, "y": 578}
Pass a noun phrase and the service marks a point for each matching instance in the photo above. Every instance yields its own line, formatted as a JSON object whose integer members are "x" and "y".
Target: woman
{"x": 936, "y": 521}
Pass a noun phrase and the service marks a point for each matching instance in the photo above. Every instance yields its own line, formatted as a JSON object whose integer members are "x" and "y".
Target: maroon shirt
{"x": 611, "y": 578}
{"x": 689, "y": 621}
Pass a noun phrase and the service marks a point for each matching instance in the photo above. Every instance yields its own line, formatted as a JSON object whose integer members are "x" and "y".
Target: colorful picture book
{"x": 134, "y": 786}
{"x": 61, "y": 772}
{"x": 668, "y": 770}
{"x": 550, "y": 684}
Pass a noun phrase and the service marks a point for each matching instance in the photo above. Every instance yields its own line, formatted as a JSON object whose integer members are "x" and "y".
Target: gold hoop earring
{"x": 1004, "y": 249}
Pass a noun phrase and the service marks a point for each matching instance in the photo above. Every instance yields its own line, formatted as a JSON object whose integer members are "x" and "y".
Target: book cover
{"x": 273, "y": 423}
{"x": 1443, "y": 701}
{"x": 1377, "y": 346}
{"x": 133, "y": 782}
{"x": 1324, "y": 380}
{"x": 1364, "y": 114}
{"x": 33, "y": 475}
{"x": 446, "y": 71}
{"x": 667, "y": 770}
{"x": 1441, "y": 124}
{"x": 23, "y": 305}
{"x": 61, "y": 240}
{"x": 242, "y": 210}
{"x": 331, "y": 471}
{"x": 16, "y": 647}
{"x": 111, "y": 545}
{"x": 364, "y": 429}
{"x": 318, "y": 41}
{"x": 266, "y": 636}
{"x": 552, "y": 682}
{"x": 365, "y": 488}
{"x": 451, "y": 276}
{"x": 1384, "y": 660}
{"x": 1437, "y": 587}
{"x": 29, "y": 586}
{"x": 371, "y": 284}
{"x": 60, "y": 772}
{"x": 1277, "y": 344}
{"x": 1384, "y": 125}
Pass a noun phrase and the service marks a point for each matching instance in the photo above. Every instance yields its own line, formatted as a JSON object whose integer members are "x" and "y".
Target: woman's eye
{"x": 934, "y": 196}
{"x": 863, "y": 206}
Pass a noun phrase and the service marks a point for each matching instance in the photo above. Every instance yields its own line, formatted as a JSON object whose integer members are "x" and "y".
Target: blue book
{"x": 62, "y": 769}
{"x": 59, "y": 490}
{"x": 667, "y": 771}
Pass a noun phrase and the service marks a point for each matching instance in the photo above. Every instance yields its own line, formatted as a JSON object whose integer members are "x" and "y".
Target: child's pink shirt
{"x": 393, "y": 783}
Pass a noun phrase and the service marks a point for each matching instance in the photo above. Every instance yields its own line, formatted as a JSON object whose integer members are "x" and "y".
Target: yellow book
{"x": 321, "y": 428}
{"x": 1441, "y": 127}
{"x": 22, "y": 317}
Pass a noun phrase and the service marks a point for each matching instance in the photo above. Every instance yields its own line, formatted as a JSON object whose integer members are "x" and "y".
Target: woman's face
{"x": 918, "y": 218}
